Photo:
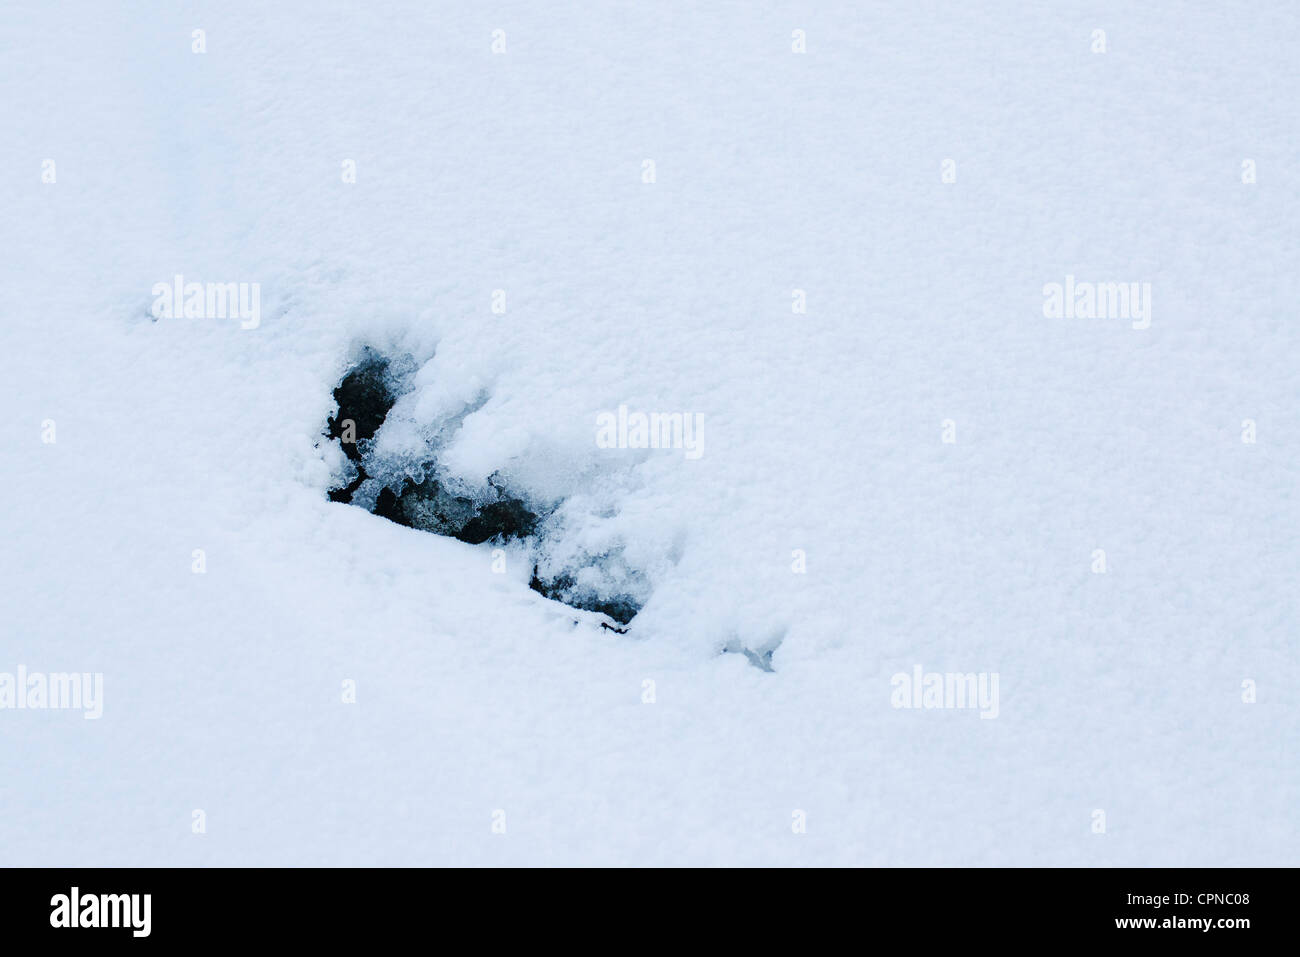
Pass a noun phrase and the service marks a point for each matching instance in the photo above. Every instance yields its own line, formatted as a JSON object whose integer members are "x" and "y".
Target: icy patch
{"x": 760, "y": 656}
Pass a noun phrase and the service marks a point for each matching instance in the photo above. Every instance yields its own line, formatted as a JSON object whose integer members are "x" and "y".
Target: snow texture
{"x": 919, "y": 468}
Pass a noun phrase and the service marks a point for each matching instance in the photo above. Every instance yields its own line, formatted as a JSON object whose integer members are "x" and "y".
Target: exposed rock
{"x": 365, "y": 396}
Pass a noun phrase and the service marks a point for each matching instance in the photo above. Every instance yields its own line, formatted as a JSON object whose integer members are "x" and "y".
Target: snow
{"x": 822, "y": 432}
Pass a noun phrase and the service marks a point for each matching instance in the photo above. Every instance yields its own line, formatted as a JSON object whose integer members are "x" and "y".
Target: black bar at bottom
{"x": 336, "y": 906}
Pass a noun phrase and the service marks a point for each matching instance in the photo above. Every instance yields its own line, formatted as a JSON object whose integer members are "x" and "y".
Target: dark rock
{"x": 563, "y": 588}
{"x": 429, "y": 507}
{"x": 364, "y": 397}
{"x": 345, "y": 493}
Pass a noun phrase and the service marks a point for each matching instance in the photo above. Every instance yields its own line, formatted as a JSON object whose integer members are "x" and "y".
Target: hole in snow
{"x": 424, "y": 497}
{"x": 563, "y": 587}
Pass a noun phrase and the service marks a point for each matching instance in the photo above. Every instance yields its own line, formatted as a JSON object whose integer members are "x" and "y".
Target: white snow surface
{"x": 822, "y": 432}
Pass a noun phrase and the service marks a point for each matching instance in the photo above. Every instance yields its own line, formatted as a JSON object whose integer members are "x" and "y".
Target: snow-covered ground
{"x": 918, "y": 470}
